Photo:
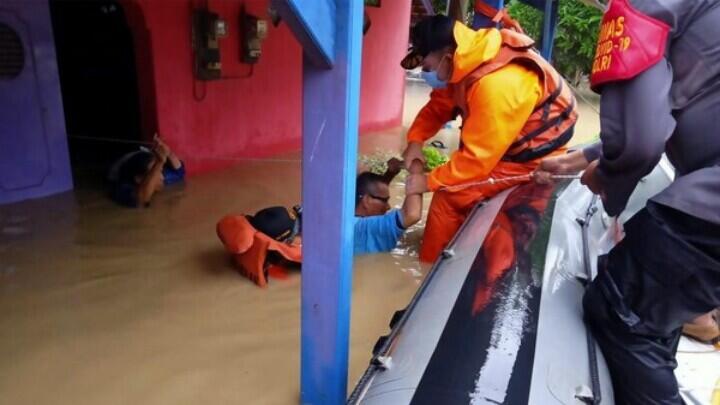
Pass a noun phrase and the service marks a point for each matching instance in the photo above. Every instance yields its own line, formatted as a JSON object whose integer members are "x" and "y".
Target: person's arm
{"x": 412, "y": 206}
{"x": 636, "y": 114}
{"x": 427, "y": 123}
{"x": 636, "y": 121}
{"x": 592, "y": 152}
{"x": 569, "y": 163}
{"x": 378, "y": 233}
{"x": 172, "y": 158}
{"x": 432, "y": 116}
{"x": 500, "y": 104}
{"x": 148, "y": 185}
{"x": 174, "y": 161}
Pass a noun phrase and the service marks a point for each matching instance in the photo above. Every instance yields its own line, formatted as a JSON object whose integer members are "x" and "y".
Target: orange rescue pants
{"x": 449, "y": 209}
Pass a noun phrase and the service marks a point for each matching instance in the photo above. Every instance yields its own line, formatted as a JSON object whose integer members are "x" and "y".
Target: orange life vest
{"x": 250, "y": 247}
{"x": 550, "y": 126}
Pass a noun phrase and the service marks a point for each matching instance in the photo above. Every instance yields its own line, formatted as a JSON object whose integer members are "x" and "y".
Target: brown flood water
{"x": 105, "y": 305}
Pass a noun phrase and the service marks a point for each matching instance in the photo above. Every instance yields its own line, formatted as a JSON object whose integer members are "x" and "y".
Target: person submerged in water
{"x": 273, "y": 236}
{"x": 377, "y": 228}
{"x": 137, "y": 176}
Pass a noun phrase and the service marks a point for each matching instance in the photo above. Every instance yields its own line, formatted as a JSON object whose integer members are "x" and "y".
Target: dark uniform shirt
{"x": 672, "y": 107}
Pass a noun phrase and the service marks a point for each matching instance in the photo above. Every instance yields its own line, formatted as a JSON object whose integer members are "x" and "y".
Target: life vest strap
{"x": 547, "y": 104}
{"x": 546, "y": 125}
{"x": 543, "y": 150}
{"x": 501, "y": 16}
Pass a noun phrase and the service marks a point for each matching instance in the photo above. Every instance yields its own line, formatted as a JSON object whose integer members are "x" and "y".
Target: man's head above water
{"x": 136, "y": 169}
{"x": 372, "y": 195}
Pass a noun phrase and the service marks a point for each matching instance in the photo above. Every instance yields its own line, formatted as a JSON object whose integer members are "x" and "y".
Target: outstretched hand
{"x": 161, "y": 150}
{"x": 590, "y": 179}
{"x": 569, "y": 163}
{"x": 394, "y": 165}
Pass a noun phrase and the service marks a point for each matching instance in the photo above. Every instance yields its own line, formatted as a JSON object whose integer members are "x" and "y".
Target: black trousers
{"x": 664, "y": 273}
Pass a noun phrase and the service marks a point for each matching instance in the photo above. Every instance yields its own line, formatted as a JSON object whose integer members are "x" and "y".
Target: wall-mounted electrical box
{"x": 207, "y": 29}
{"x": 254, "y": 31}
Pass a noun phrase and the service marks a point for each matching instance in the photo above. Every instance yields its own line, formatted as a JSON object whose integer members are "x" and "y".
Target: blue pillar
{"x": 330, "y": 32}
{"x": 480, "y": 21}
{"x": 549, "y": 25}
{"x": 331, "y": 103}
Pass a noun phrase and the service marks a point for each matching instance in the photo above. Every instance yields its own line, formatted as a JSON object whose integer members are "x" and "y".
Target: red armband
{"x": 629, "y": 43}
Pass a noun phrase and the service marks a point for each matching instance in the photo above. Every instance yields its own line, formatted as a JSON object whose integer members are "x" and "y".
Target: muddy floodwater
{"x": 106, "y": 305}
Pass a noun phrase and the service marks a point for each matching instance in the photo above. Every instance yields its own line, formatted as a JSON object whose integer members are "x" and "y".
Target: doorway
{"x": 99, "y": 82}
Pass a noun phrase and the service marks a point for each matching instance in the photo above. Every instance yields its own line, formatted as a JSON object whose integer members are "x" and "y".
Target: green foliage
{"x": 575, "y": 38}
{"x": 529, "y": 17}
{"x": 377, "y": 162}
{"x": 440, "y": 6}
{"x": 433, "y": 157}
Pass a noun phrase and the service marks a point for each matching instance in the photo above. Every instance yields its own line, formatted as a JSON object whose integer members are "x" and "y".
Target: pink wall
{"x": 210, "y": 123}
{"x": 383, "y": 80}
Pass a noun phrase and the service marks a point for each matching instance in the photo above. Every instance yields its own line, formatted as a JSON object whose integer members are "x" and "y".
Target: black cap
{"x": 430, "y": 34}
{"x": 275, "y": 222}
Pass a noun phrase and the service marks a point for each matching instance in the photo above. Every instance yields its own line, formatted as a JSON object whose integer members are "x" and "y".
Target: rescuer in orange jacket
{"x": 516, "y": 109}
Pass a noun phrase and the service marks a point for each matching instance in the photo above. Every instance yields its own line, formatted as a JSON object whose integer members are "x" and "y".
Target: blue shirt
{"x": 379, "y": 233}
{"x": 124, "y": 191}
{"x": 173, "y": 175}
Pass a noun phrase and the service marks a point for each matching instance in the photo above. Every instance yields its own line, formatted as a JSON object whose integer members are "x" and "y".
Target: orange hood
{"x": 474, "y": 48}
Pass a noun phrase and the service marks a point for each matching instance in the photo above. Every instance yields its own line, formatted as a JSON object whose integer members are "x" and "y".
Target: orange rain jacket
{"x": 512, "y": 101}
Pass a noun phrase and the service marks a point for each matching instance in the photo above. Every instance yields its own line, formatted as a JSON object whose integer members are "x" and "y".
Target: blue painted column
{"x": 331, "y": 104}
{"x": 549, "y": 25}
{"x": 480, "y": 21}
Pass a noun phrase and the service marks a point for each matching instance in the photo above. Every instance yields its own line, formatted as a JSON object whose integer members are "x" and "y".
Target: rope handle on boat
{"x": 492, "y": 181}
{"x": 596, "y": 396}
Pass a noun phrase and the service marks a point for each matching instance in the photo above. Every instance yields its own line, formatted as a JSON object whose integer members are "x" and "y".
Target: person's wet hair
{"x": 365, "y": 180}
{"x": 137, "y": 165}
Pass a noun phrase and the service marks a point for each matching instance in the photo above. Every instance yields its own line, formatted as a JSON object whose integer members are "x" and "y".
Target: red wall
{"x": 210, "y": 123}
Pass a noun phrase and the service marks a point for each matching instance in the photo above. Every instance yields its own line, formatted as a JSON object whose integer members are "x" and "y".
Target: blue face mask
{"x": 431, "y": 78}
